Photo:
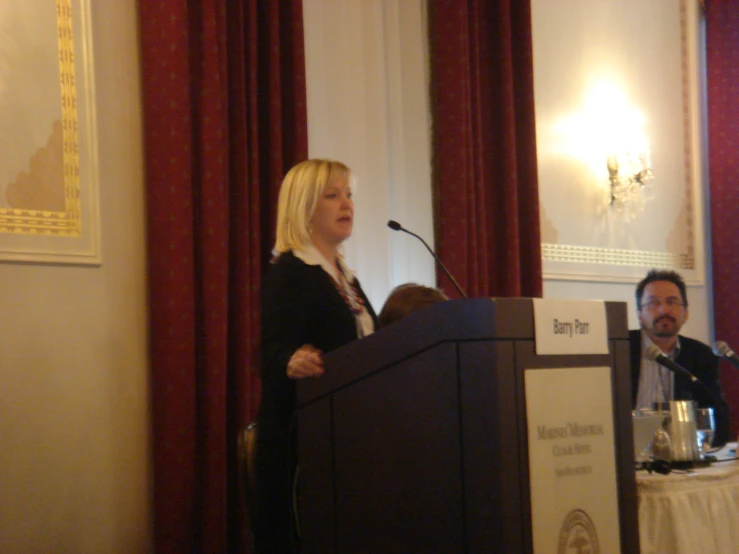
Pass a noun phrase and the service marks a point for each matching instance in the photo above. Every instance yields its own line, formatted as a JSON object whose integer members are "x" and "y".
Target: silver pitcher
{"x": 682, "y": 430}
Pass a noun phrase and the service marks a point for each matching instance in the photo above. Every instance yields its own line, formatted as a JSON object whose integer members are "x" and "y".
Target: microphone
{"x": 722, "y": 350}
{"x": 656, "y": 355}
{"x": 395, "y": 226}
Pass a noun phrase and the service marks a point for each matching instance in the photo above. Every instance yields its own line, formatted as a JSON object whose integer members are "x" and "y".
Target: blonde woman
{"x": 311, "y": 304}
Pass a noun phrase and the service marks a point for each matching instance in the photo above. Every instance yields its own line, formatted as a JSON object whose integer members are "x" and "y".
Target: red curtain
{"x": 224, "y": 118}
{"x": 722, "y": 60}
{"x": 484, "y": 172}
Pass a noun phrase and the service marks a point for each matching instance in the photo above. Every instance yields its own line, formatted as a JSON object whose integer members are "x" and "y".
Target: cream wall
{"x": 368, "y": 106}
{"x": 74, "y": 399}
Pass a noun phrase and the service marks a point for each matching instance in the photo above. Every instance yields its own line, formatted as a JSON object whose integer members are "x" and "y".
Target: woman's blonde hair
{"x": 299, "y": 193}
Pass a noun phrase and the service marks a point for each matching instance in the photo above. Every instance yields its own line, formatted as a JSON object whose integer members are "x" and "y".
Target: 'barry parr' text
{"x": 569, "y": 328}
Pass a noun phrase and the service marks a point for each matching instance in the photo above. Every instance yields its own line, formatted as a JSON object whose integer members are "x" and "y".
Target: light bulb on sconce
{"x": 629, "y": 175}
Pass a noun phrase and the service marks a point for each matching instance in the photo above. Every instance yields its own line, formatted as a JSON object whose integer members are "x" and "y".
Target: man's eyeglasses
{"x": 655, "y": 303}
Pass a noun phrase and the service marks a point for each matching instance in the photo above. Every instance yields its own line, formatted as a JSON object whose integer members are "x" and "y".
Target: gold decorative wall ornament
{"x": 48, "y": 173}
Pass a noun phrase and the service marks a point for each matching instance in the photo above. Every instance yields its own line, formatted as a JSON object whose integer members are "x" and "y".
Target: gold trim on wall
{"x": 689, "y": 254}
{"x": 615, "y": 256}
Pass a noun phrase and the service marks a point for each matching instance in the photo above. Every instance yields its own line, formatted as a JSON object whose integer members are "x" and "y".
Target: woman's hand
{"x": 307, "y": 361}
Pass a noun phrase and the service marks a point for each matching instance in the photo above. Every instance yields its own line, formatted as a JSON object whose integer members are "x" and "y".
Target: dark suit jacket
{"x": 300, "y": 305}
{"x": 698, "y": 359}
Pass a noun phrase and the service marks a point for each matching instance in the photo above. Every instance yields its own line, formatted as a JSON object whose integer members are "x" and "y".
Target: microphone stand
{"x": 395, "y": 226}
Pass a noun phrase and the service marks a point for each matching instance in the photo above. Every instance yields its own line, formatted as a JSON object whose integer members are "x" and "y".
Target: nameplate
{"x": 570, "y": 326}
{"x": 572, "y": 460}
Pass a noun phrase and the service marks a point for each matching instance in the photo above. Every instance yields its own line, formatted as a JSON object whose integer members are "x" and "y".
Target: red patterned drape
{"x": 722, "y": 59}
{"x": 224, "y": 118}
{"x": 485, "y": 174}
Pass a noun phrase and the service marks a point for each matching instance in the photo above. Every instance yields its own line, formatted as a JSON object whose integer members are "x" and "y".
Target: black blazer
{"x": 300, "y": 305}
{"x": 698, "y": 359}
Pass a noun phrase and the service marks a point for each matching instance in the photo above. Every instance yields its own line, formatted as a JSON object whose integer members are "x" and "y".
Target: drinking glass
{"x": 705, "y": 428}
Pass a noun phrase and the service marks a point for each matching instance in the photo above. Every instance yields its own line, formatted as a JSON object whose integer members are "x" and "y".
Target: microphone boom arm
{"x": 395, "y": 226}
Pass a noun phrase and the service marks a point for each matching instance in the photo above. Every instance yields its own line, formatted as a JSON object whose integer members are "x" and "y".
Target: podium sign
{"x": 423, "y": 438}
{"x": 570, "y": 326}
{"x": 574, "y": 499}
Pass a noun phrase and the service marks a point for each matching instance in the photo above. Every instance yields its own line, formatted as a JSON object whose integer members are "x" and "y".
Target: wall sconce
{"x": 629, "y": 175}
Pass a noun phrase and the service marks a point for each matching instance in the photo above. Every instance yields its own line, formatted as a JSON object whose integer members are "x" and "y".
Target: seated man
{"x": 662, "y": 307}
{"x": 406, "y": 299}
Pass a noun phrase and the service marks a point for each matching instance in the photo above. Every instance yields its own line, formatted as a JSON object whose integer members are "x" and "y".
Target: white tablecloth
{"x": 695, "y": 512}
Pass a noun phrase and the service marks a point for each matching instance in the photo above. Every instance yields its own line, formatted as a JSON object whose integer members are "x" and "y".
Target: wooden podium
{"x": 415, "y": 440}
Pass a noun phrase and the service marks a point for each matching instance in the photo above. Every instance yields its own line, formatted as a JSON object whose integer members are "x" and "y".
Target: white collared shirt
{"x": 656, "y": 383}
{"x": 312, "y": 256}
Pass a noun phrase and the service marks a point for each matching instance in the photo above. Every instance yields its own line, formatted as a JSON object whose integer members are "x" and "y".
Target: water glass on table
{"x": 705, "y": 427}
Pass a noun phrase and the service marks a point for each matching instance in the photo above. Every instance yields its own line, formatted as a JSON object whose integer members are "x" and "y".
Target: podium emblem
{"x": 577, "y": 535}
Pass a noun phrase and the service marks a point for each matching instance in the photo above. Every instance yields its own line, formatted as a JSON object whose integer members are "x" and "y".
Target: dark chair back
{"x": 246, "y": 449}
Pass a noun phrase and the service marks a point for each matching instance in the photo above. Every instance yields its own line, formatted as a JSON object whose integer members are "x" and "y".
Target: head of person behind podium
{"x": 311, "y": 304}
{"x": 406, "y": 299}
{"x": 662, "y": 310}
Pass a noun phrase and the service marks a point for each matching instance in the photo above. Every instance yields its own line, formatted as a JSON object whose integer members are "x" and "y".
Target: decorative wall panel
{"x": 48, "y": 175}
{"x": 610, "y": 75}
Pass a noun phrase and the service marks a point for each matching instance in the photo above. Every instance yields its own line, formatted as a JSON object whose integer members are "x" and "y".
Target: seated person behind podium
{"x": 311, "y": 304}
{"x": 406, "y": 299}
{"x": 662, "y": 307}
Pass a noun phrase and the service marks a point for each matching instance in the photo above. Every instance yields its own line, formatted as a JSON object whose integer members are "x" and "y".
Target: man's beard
{"x": 670, "y": 332}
